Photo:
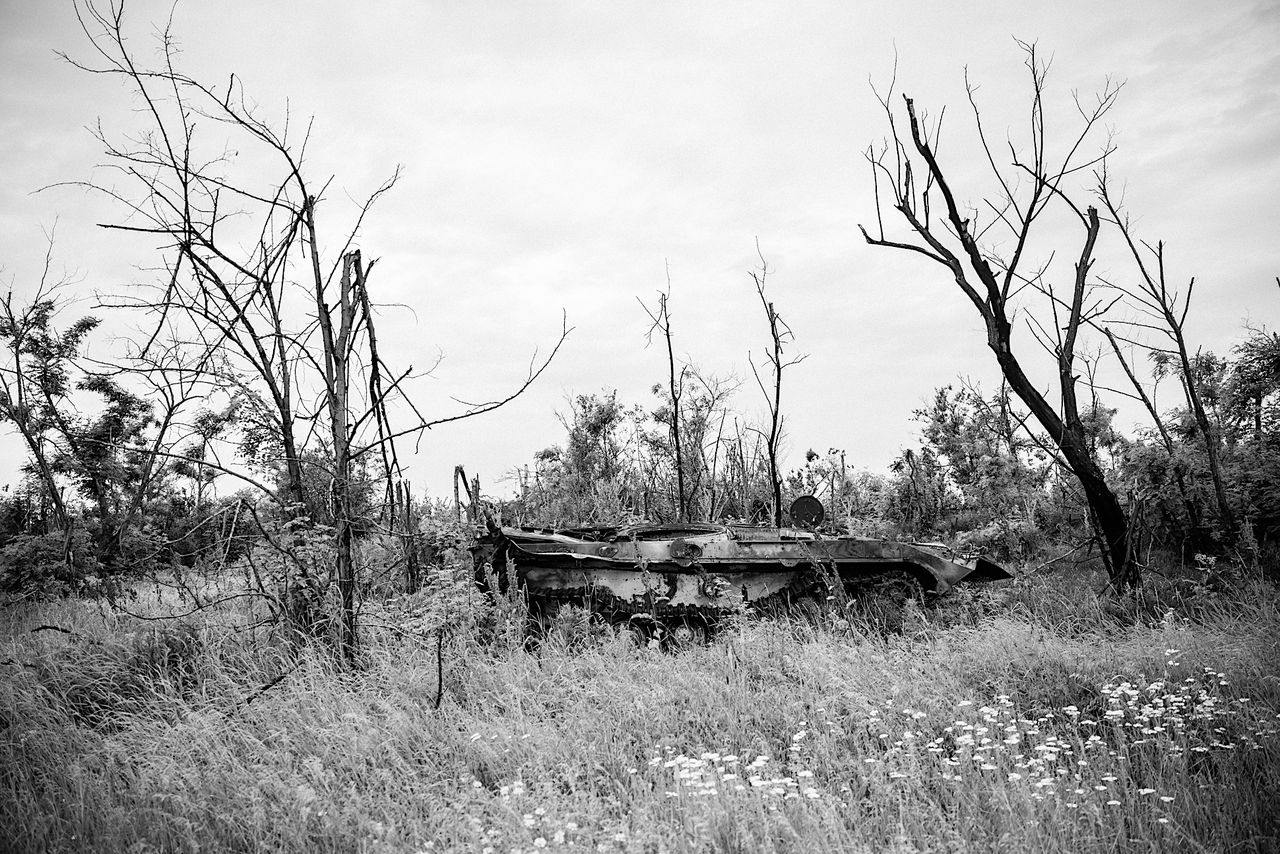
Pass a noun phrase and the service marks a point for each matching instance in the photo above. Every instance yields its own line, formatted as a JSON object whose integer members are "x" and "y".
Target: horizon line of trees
{"x": 982, "y": 478}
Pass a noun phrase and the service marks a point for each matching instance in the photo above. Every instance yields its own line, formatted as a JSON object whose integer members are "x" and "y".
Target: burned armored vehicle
{"x": 681, "y": 579}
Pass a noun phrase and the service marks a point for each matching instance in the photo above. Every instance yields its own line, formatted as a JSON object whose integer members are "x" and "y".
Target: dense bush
{"x": 52, "y": 564}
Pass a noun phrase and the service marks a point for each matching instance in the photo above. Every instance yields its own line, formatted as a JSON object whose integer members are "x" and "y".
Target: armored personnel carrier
{"x": 679, "y": 580}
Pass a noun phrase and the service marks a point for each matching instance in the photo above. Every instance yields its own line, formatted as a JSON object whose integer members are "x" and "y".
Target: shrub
{"x": 36, "y": 565}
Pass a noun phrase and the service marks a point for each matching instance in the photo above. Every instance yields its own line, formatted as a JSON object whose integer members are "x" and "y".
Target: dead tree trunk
{"x": 1168, "y": 309}
{"x": 990, "y": 281}
{"x": 337, "y": 377}
{"x": 779, "y": 336}
{"x": 661, "y": 322}
{"x": 403, "y": 507}
{"x": 1179, "y": 473}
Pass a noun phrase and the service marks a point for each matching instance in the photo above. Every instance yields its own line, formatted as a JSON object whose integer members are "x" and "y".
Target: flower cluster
{"x": 711, "y": 773}
{"x": 1067, "y": 754}
{"x": 1184, "y": 715}
{"x": 1101, "y": 758}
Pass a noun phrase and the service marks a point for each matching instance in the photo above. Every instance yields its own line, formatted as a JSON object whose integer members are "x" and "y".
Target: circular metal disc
{"x": 807, "y": 512}
{"x": 684, "y": 552}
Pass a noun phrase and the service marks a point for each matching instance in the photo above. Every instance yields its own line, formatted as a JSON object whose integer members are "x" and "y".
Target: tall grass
{"x": 1031, "y": 719}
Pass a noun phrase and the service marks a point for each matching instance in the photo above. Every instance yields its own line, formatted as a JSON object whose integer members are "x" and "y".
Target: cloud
{"x": 562, "y": 154}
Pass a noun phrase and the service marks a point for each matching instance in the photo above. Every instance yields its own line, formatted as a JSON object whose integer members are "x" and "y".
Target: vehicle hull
{"x": 707, "y": 570}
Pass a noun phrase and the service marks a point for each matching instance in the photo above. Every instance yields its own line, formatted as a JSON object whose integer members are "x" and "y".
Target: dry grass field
{"x": 1033, "y": 717}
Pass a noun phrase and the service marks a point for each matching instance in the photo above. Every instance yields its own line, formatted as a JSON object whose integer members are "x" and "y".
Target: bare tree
{"x": 780, "y": 336}
{"x": 253, "y": 288}
{"x": 1166, "y": 440}
{"x": 1165, "y": 311}
{"x": 992, "y": 276}
{"x": 660, "y": 322}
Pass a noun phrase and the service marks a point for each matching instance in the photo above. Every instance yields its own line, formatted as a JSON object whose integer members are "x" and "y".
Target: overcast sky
{"x": 560, "y": 156}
